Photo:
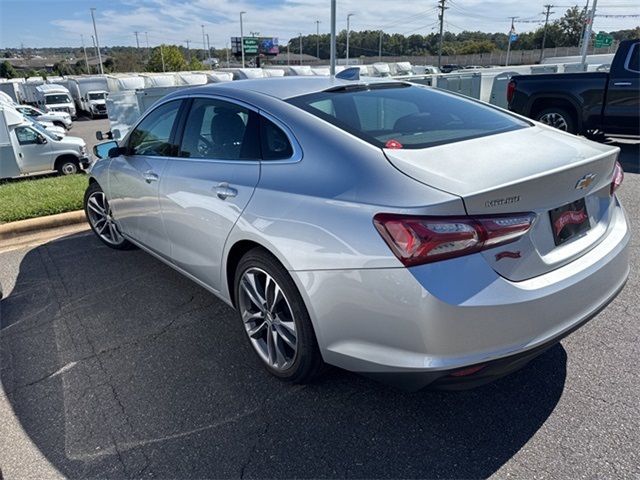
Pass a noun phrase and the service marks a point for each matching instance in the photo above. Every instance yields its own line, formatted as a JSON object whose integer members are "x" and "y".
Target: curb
{"x": 33, "y": 225}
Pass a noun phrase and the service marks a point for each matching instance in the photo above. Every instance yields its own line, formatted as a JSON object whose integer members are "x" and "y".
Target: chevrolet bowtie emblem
{"x": 585, "y": 181}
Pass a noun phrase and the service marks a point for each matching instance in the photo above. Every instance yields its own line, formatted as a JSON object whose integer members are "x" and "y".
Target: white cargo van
{"x": 90, "y": 94}
{"x": 49, "y": 97}
{"x": 27, "y": 148}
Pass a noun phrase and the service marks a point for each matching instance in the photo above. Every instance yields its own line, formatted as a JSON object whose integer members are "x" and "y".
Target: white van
{"x": 27, "y": 148}
{"x": 49, "y": 98}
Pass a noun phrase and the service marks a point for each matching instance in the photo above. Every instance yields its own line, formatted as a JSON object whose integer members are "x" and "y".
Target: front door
{"x": 34, "y": 151}
{"x": 623, "y": 97}
{"x": 134, "y": 178}
{"x": 205, "y": 189}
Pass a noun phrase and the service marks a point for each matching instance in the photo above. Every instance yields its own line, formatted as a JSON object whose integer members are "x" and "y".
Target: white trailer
{"x": 90, "y": 94}
{"x": 12, "y": 89}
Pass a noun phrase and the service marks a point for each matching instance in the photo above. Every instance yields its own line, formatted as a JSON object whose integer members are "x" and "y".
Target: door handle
{"x": 622, "y": 84}
{"x": 149, "y": 176}
{"x": 224, "y": 191}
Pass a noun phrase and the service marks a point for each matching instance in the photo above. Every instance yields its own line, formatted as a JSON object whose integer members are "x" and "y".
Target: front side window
{"x": 28, "y": 111}
{"x": 27, "y": 136}
{"x": 53, "y": 99}
{"x": 402, "y": 116}
{"x": 152, "y": 136}
{"x": 220, "y": 130}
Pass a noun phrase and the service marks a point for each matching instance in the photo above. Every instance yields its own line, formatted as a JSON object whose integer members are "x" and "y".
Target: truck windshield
{"x": 396, "y": 115}
{"x": 97, "y": 96}
{"x": 59, "y": 98}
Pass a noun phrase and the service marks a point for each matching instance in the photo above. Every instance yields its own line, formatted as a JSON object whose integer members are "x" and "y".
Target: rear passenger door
{"x": 207, "y": 186}
{"x": 621, "y": 112}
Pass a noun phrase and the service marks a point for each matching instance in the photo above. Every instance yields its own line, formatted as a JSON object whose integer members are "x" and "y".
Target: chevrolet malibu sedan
{"x": 398, "y": 231}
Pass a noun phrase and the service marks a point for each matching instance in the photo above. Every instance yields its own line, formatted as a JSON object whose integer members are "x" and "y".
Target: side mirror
{"x": 115, "y": 134}
{"x": 41, "y": 140}
{"x": 106, "y": 150}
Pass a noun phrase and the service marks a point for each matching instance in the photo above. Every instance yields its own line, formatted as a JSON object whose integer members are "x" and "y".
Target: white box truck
{"x": 12, "y": 88}
{"x": 89, "y": 94}
{"x": 47, "y": 97}
{"x": 27, "y": 148}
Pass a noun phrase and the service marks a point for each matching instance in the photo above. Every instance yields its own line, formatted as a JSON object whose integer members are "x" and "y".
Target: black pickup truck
{"x": 588, "y": 103}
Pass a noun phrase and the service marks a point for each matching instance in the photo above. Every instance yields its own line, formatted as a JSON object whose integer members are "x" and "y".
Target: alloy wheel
{"x": 99, "y": 213}
{"x": 554, "y": 120}
{"x": 268, "y": 319}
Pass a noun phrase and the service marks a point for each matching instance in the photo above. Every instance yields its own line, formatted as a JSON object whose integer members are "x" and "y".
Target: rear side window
{"x": 405, "y": 116}
{"x": 633, "y": 63}
{"x": 275, "y": 143}
{"x": 220, "y": 130}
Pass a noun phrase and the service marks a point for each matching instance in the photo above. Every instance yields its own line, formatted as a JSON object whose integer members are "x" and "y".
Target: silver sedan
{"x": 399, "y": 231}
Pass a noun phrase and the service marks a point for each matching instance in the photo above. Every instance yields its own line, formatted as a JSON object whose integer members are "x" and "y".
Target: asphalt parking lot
{"x": 113, "y": 365}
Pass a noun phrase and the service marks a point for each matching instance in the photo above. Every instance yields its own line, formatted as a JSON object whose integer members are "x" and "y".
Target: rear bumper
{"x": 414, "y": 326}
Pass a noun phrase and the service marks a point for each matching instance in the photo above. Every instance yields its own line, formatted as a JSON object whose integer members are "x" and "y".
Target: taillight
{"x": 511, "y": 88}
{"x": 618, "y": 177}
{"x": 417, "y": 240}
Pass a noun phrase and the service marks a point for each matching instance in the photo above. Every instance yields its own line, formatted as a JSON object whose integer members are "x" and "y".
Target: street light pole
{"x": 209, "y": 51}
{"x": 332, "y": 47}
{"x": 300, "y": 39}
{"x": 347, "y": 52}
{"x": 86, "y": 61}
{"x": 380, "y": 47}
{"x": 162, "y": 58}
{"x": 318, "y": 39}
{"x": 204, "y": 44}
{"x": 242, "y": 39}
{"x": 587, "y": 34}
{"x": 95, "y": 31}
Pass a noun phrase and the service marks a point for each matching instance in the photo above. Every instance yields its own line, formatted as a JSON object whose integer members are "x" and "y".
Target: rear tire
{"x": 275, "y": 317}
{"x": 558, "y": 118}
{"x": 98, "y": 213}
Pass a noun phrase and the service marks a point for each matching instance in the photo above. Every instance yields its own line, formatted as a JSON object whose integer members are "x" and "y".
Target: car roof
{"x": 287, "y": 87}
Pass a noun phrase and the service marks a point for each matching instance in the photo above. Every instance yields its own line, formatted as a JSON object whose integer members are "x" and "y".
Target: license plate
{"x": 569, "y": 221}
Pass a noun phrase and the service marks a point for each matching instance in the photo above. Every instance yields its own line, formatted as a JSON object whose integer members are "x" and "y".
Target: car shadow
{"x": 116, "y": 366}
{"x": 629, "y": 155}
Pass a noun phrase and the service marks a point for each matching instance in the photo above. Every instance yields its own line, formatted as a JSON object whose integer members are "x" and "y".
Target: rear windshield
{"x": 405, "y": 116}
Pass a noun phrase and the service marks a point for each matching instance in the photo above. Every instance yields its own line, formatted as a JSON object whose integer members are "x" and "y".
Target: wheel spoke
{"x": 250, "y": 288}
{"x": 286, "y": 336}
{"x": 281, "y": 358}
{"x": 248, "y": 316}
{"x": 277, "y": 296}
{"x": 271, "y": 348}
{"x": 95, "y": 208}
{"x": 256, "y": 332}
{"x": 101, "y": 229}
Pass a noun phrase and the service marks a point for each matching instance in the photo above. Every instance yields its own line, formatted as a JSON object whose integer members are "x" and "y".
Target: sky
{"x": 59, "y": 23}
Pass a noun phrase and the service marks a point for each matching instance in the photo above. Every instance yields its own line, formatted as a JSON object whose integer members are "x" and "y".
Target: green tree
{"x": 173, "y": 59}
{"x": 7, "y": 70}
{"x": 571, "y": 25}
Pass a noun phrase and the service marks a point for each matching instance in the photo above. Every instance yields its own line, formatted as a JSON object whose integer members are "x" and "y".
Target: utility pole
{"x": 84, "y": 49}
{"x": 241, "y": 39}
{"x": 300, "y": 39}
{"x": 288, "y": 55}
{"x": 204, "y": 44}
{"x": 137, "y": 40}
{"x": 188, "y": 50}
{"x": 584, "y": 12}
{"x": 209, "y": 52}
{"x": 544, "y": 34}
{"x": 146, "y": 36}
{"x": 318, "y": 39}
{"x": 95, "y": 31}
{"x": 347, "y": 53}
{"x": 442, "y": 8}
{"x": 512, "y": 32}
{"x": 586, "y": 40}
{"x": 332, "y": 47}
{"x": 162, "y": 58}
{"x": 380, "y": 47}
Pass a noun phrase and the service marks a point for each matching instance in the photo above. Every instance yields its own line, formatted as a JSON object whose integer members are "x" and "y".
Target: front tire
{"x": 275, "y": 318}
{"x": 558, "y": 118}
{"x": 98, "y": 212}
{"x": 68, "y": 167}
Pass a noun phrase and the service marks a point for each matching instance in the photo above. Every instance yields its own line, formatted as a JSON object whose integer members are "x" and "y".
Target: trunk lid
{"x": 534, "y": 169}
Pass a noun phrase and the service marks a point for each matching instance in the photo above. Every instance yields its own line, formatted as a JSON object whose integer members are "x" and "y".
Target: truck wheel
{"x": 557, "y": 118}
{"x": 68, "y": 167}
